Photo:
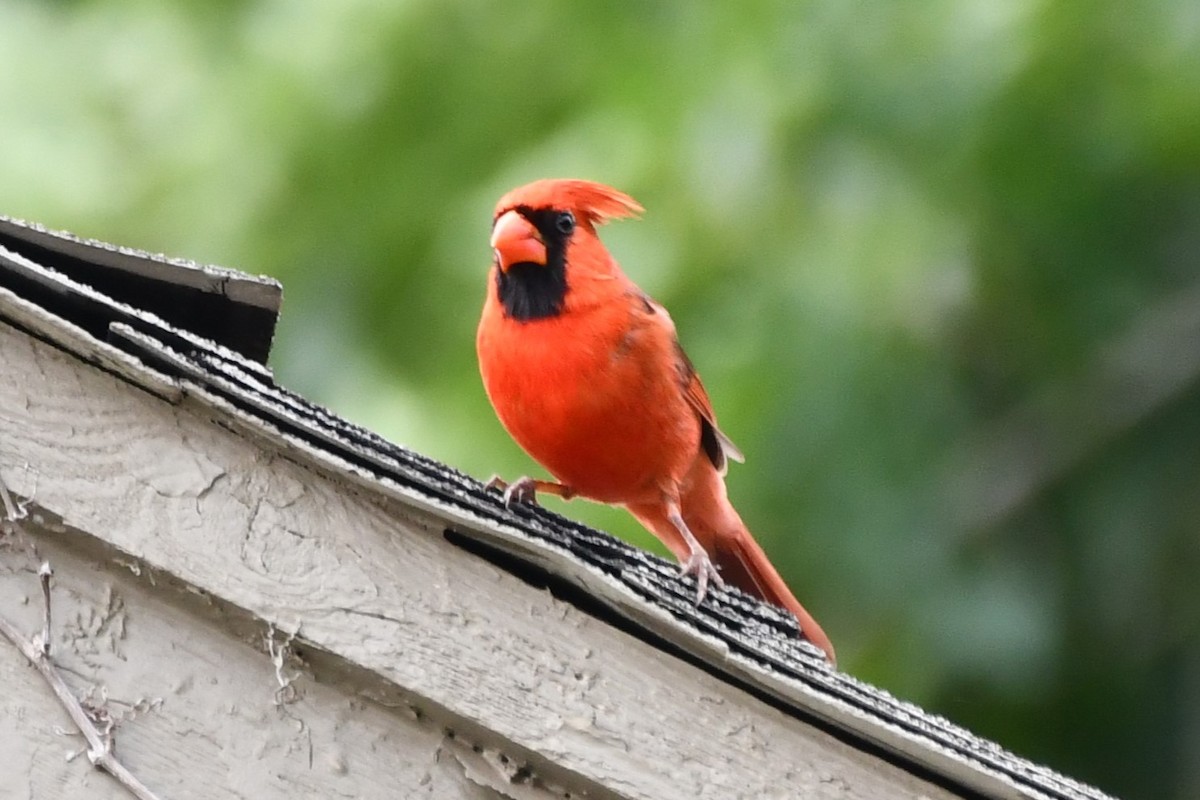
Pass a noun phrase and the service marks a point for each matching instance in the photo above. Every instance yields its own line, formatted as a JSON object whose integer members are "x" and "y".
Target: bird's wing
{"x": 717, "y": 446}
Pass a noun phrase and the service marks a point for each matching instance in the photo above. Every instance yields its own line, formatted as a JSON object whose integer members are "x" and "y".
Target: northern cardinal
{"x": 586, "y": 373}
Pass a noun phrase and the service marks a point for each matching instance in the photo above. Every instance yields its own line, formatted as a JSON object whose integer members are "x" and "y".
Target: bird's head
{"x": 542, "y": 231}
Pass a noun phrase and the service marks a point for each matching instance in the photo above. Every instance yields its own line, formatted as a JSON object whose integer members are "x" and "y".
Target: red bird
{"x": 586, "y": 373}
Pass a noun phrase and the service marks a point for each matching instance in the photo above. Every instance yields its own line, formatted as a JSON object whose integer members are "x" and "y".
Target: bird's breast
{"x": 593, "y": 398}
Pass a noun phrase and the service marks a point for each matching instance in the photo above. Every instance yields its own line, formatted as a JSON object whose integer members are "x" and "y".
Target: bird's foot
{"x": 705, "y": 571}
{"x": 698, "y": 563}
{"x": 525, "y": 489}
{"x": 520, "y": 490}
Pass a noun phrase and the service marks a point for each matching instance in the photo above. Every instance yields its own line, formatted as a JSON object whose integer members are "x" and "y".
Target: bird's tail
{"x": 719, "y": 529}
{"x": 744, "y": 564}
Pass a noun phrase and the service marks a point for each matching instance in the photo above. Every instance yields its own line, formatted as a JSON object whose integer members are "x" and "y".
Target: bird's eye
{"x": 565, "y": 222}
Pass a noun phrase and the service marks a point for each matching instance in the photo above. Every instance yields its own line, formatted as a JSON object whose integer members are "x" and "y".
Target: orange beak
{"x": 516, "y": 241}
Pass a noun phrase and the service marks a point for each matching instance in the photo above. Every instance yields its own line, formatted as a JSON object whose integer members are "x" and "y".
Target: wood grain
{"x": 209, "y": 724}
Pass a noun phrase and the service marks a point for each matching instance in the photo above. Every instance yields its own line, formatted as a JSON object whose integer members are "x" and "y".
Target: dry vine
{"x": 100, "y": 743}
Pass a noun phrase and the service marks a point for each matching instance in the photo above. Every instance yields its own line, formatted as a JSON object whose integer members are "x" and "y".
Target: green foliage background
{"x": 936, "y": 262}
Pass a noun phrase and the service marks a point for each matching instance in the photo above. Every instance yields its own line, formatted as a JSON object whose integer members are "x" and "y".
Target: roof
{"x": 210, "y": 329}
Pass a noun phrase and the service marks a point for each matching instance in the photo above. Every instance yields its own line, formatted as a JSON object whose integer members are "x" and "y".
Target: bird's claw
{"x": 522, "y": 490}
{"x": 702, "y": 567}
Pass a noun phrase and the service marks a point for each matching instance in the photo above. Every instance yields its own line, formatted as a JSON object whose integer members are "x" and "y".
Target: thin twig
{"x": 99, "y": 751}
{"x": 45, "y": 573}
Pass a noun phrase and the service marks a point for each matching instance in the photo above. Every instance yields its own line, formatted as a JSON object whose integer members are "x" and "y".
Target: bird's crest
{"x": 588, "y": 200}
